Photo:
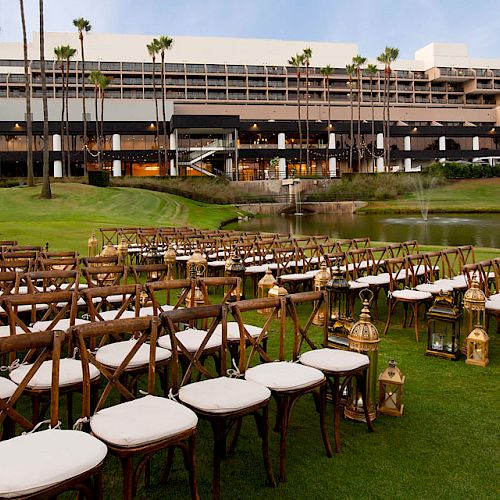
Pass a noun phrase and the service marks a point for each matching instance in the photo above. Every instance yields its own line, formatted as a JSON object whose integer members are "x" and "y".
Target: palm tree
{"x": 372, "y": 70}
{"x": 164, "y": 43}
{"x": 153, "y": 49}
{"x": 82, "y": 25}
{"x": 94, "y": 78}
{"x": 60, "y": 54}
{"x": 297, "y": 61}
{"x": 351, "y": 71}
{"x": 387, "y": 57}
{"x": 104, "y": 81}
{"x": 69, "y": 52}
{"x": 326, "y": 72}
{"x": 46, "y": 192}
{"x": 358, "y": 63}
{"x": 306, "y": 58}
{"x": 29, "y": 128}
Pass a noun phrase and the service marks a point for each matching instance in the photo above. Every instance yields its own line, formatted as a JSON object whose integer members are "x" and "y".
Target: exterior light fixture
{"x": 391, "y": 389}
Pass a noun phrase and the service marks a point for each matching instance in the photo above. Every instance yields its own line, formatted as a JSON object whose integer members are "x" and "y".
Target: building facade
{"x": 231, "y": 108}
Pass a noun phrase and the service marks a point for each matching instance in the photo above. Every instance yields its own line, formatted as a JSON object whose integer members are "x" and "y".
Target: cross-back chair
{"x": 112, "y": 302}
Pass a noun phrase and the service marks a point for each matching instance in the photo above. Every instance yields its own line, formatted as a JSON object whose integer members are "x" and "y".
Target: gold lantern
{"x": 477, "y": 347}
{"x": 108, "y": 251}
{"x": 195, "y": 297}
{"x": 474, "y": 304}
{"x": 198, "y": 262}
{"x": 122, "y": 250}
{"x": 92, "y": 245}
{"x": 228, "y": 261}
{"x": 263, "y": 288}
{"x": 364, "y": 338}
{"x": 277, "y": 291}
{"x": 443, "y": 327}
{"x": 321, "y": 279}
{"x": 237, "y": 270}
{"x": 390, "y": 390}
{"x": 170, "y": 259}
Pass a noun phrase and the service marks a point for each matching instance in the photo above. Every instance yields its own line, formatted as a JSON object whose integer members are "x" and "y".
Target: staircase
{"x": 197, "y": 155}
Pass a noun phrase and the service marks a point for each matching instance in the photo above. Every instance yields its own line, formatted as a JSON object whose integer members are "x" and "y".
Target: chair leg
{"x": 321, "y": 400}
{"x": 265, "y": 445}
{"x": 285, "y": 418}
{"x": 415, "y": 314}
{"x": 336, "y": 412}
{"x": 218, "y": 427}
{"x": 189, "y": 459}
{"x": 390, "y": 309}
{"x": 128, "y": 478}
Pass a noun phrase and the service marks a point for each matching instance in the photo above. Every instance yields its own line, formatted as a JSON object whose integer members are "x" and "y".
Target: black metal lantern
{"x": 443, "y": 327}
{"x": 340, "y": 319}
{"x": 236, "y": 269}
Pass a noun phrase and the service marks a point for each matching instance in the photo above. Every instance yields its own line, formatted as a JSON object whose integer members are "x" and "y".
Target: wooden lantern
{"x": 321, "y": 279}
{"x": 92, "y": 245}
{"x": 122, "y": 250}
{"x": 198, "y": 262}
{"x": 477, "y": 347}
{"x": 170, "y": 259}
{"x": 390, "y": 390}
{"x": 237, "y": 270}
{"x": 475, "y": 305}
{"x": 263, "y": 288}
{"x": 277, "y": 291}
{"x": 443, "y": 327}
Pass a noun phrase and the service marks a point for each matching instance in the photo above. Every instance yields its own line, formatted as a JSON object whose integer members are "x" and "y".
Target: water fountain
{"x": 423, "y": 186}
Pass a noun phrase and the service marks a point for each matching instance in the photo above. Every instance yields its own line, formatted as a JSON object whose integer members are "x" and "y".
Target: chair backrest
{"x": 101, "y": 260}
{"x": 159, "y": 293}
{"x": 356, "y": 262}
{"x": 17, "y": 265}
{"x": 7, "y": 282}
{"x": 145, "y": 332}
{"x": 37, "y": 348}
{"x": 286, "y": 259}
{"x": 361, "y": 242}
{"x": 376, "y": 259}
{"x": 97, "y": 300}
{"x": 410, "y": 247}
{"x": 141, "y": 273}
{"x": 397, "y": 268}
{"x": 436, "y": 266}
{"x": 232, "y": 288}
{"x": 172, "y": 322}
{"x": 51, "y": 280}
{"x": 57, "y": 263}
{"x": 109, "y": 275}
{"x": 396, "y": 250}
{"x": 454, "y": 262}
{"x": 467, "y": 252}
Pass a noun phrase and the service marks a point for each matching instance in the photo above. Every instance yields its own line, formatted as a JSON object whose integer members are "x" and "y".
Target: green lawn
{"x": 446, "y": 446}
{"x": 475, "y": 195}
{"x": 67, "y": 220}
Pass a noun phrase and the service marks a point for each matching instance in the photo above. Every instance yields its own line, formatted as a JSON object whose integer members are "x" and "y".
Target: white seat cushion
{"x": 7, "y": 388}
{"x": 493, "y": 305}
{"x": 191, "y": 339}
{"x": 411, "y": 295}
{"x": 223, "y": 394}
{"x": 142, "y": 421}
{"x": 495, "y": 297}
{"x": 296, "y": 277}
{"x": 357, "y": 285}
{"x": 5, "y": 330}
{"x": 334, "y": 360}
{"x": 460, "y": 281}
{"x": 70, "y": 372}
{"x": 113, "y": 354}
{"x": 434, "y": 288}
{"x": 447, "y": 283}
{"x": 233, "y": 330}
{"x": 256, "y": 269}
{"x": 378, "y": 279}
{"x": 216, "y": 263}
{"x": 62, "y": 324}
{"x": 149, "y": 310}
{"x": 284, "y": 376}
{"x": 33, "y": 462}
{"x": 111, "y": 314}
{"x": 312, "y": 272}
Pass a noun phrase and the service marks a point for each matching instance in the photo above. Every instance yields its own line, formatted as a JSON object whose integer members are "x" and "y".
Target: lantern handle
{"x": 366, "y": 295}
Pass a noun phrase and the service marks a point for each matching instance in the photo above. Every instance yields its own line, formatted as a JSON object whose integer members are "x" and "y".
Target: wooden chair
{"x": 112, "y": 302}
{"x": 219, "y": 399}
{"x": 493, "y": 295}
{"x": 137, "y": 427}
{"x": 43, "y": 463}
{"x": 58, "y": 263}
{"x": 53, "y": 280}
{"x": 109, "y": 275}
{"x": 287, "y": 381}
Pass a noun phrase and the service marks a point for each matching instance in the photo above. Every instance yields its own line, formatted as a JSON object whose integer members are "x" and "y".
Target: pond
{"x": 481, "y": 230}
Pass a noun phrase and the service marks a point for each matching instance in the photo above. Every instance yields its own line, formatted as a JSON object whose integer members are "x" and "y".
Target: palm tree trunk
{"x": 299, "y": 121}
{"x": 388, "y": 120}
{"x": 85, "y": 175}
{"x": 156, "y": 114}
{"x": 384, "y": 112}
{"x": 164, "y": 116}
{"x": 351, "y": 125}
{"x": 68, "y": 135}
{"x": 327, "y": 88}
{"x": 97, "y": 134}
{"x": 308, "y": 166}
{"x": 373, "y": 124}
{"x": 46, "y": 192}
{"x": 103, "y": 137}
{"x": 29, "y": 128}
{"x": 359, "y": 120}
{"x": 63, "y": 158}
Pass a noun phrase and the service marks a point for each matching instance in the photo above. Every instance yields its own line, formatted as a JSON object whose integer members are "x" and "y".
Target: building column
{"x": 172, "y": 146}
{"x": 380, "y": 145}
{"x": 229, "y": 167}
{"x": 407, "y": 147}
{"x": 332, "y": 161}
{"x": 56, "y": 146}
{"x": 282, "y": 161}
{"x": 475, "y": 145}
{"x": 442, "y": 147}
{"x": 117, "y": 164}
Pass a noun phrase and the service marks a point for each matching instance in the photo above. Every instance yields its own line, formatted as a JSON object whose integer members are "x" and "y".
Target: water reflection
{"x": 454, "y": 229}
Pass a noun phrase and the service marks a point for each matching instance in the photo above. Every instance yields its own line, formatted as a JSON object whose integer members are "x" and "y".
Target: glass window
{"x": 216, "y": 68}
{"x": 195, "y": 68}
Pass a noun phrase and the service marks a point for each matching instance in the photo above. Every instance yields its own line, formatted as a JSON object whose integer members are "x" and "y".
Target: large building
{"x": 231, "y": 107}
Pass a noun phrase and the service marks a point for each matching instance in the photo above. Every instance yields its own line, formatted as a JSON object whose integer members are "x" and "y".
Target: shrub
{"x": 460, "y": 170}
{"x": 99, "y": 178}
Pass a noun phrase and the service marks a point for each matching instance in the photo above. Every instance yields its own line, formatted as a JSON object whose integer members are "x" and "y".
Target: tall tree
{"x": 164, "y": 43}
{"x": 326, "y": 72}
{"x": 104, "y": 81}
{"x": 387, "y": 57}
{"x": 60, "y": 54}
{"x": 27, "y": 93}
{"x": 358, "y": 63}
{"x": 46, "y": 191}
{"x": 94, "y": 78}
{"x": 297, "y": 62}
{"x": 306, "y": 58}
{"x": 372, "y": 70}
{"x": 153, "y": 49}
{"x": 351, "y": 71}
{"x": 69, "y": 52}
{"x": 82, "y": 25}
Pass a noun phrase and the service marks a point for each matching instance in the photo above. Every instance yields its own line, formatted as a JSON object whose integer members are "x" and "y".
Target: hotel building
{"x": 231, "y": 107}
